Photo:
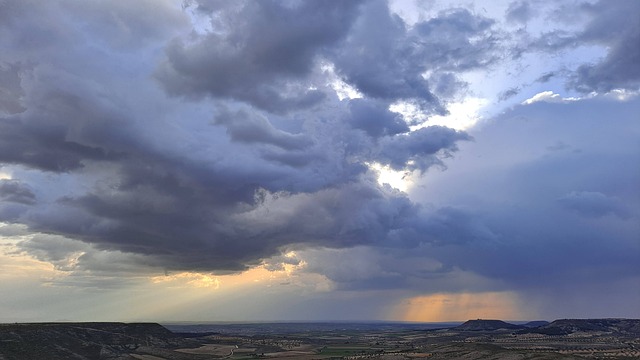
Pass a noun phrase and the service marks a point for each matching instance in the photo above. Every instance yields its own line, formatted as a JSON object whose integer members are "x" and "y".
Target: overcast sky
{"x": 168, "y": 160}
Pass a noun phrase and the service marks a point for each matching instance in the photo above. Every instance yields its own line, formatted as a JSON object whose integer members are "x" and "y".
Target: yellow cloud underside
{"x": 200, "y": 280}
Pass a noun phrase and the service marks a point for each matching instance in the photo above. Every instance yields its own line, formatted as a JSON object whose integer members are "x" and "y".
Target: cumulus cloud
{"x": 384, "y": 59}
{"x": 262, "y": 54}
{"x": 548, "y": 96}
{"x": 610, "y": 25}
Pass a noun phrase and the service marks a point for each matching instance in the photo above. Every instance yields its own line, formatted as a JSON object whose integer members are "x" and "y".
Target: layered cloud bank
{"x": 206, "y": 137}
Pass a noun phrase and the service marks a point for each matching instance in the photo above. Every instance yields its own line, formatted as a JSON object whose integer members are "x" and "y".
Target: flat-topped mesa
{"x": 487, "y": 325}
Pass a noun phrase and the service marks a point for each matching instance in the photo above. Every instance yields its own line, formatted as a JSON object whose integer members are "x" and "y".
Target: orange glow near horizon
{"x": 444, "y": 307}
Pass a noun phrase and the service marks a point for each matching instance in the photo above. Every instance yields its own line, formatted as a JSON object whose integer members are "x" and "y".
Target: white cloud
{"x": 549, "y": 96}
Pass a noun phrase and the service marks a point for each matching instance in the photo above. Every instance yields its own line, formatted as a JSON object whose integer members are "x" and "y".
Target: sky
{"x": 206, "y": 160}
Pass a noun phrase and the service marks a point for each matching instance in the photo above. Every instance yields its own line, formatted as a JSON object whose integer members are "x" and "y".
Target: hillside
{"x": 79, "y": 340}
{"x": 570, "y": 326}
{"x": 475, "y": 339}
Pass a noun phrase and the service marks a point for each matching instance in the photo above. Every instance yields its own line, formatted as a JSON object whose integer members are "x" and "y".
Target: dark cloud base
{"x": 254, "y": 189}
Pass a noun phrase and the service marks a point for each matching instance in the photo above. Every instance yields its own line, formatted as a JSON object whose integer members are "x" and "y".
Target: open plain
{"x": 475, "y": 339}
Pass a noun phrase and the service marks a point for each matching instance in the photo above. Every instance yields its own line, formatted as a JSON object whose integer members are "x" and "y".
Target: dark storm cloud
{"x": 141, "y": 222}
{"x": 263, "y": 55}
{"x": 447, "y": 40}
{"x": 342, "y": 216}
{"x": 69, "y": 114}
{"x": 14, "y": 191}
{"x": 610, "y": 24}
{"x": 61, "y": 126}
{"x": 616, "y": 26}
{"x": 42, "y": 148}
{"x": 369, "y": 57}
{"x": 181, "y": 193}
{"x": 255, "y": 128}
{"x": 419, "y": 149}
{"x": 385, "y": 59}
{"x": 375, "y": 119}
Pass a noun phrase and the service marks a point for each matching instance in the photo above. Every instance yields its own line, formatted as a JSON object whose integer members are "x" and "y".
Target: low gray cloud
{"x": 15, "y": 191}
{"x": 123, "y": 26}
{"x": 519, "y": 12}
{"x": 11, "y": 92}
{"x": 593, "y": 204}
{"x": 10, "y": 230}
{"x": 450, "y": 225}
{"x": 62, "y": 253}
{"x": 532, "y": 205}
{"x": 86, "y": 266}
